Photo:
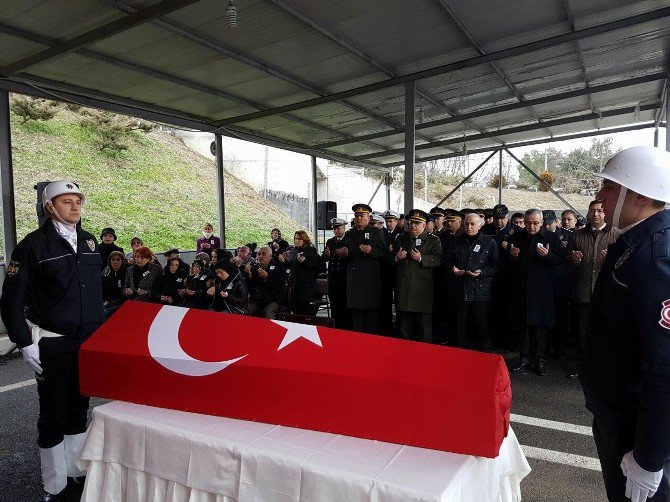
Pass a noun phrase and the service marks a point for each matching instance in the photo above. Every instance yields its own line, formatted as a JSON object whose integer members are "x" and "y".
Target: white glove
{"x": 640, "y": 484}
{"x": 31, "y": 355}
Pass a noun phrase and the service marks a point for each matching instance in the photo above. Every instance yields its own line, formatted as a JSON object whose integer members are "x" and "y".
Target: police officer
{"x": 51, "y": 302}
{"x": 625, "y": 370}
{"x": 337, "y": 275}
{"x": 366, "y": 248}
{"x": 418, "y": 254}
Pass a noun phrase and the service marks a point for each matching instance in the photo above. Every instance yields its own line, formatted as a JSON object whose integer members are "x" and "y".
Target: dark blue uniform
{"x": 625, "y": 370}
{"x": 60, "y": 291}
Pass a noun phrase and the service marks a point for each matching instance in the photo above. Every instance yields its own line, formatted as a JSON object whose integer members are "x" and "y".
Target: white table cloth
{"x": 139, "y": 453}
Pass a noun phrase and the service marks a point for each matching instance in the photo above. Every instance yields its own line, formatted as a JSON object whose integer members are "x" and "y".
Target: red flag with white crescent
{"x": 302, "y": 376}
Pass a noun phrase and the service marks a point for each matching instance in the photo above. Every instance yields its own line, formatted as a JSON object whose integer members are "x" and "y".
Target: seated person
{"x": 106, "y": 246}
{"x": 135, "y": 244}
{"x": 229, "y": 292}
{"x": 168, "y": 285}
{"x": 174, "y": 253}
{"x": 267, "y": 280}
{"x": 141, "y": 276}
{"x": 113, "y": 277}
{"x": 195, "y": 286}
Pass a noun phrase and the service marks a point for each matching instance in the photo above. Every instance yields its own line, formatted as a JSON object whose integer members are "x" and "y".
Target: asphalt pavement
{"x": 548, "y": 417}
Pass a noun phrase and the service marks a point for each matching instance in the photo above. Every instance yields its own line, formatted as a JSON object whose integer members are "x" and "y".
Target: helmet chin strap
{"x": 619, "y": 205}
{"x": 60, "y": 219}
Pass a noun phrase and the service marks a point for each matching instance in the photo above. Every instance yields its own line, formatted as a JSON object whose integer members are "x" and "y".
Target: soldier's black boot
{"x": 50, "y": 497}
{"x": 540, "y": 368}
{"x": 522, "y": 367}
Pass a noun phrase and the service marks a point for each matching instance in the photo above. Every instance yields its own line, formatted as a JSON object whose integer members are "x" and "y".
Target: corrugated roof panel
{"x": 15, "y": 48}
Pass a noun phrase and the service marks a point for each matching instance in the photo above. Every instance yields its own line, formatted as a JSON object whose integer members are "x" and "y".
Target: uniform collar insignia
{"x": 623, "y": 258}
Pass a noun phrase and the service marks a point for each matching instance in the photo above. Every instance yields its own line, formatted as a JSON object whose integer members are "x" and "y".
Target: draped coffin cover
{"x": 301, "y": 376}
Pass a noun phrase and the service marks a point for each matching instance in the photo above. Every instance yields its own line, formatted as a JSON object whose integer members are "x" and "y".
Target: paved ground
{"x": 563, "y": 461}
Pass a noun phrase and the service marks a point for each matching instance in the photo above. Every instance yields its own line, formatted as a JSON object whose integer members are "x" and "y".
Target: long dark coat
{"x": 415, "y": 279}
{"x": 303, "y": 275}
{"x": 364, "y": 272}
{"x": 533, "y": 288}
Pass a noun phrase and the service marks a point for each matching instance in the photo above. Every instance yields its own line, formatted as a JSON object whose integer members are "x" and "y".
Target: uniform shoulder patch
{"x": 665, "y": 315}
{"x": 13, "y": 268}
{"x": 91, "y": 244}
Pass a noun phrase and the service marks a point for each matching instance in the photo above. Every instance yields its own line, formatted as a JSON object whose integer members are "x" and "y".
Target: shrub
{"x": 548, "y": 178}
{"x": 494, "y": 181}
{"x": 32, "y": 108}
{"x": 111, "y": 131}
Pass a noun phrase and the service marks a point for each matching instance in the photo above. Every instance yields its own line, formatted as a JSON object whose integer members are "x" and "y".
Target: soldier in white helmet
{"x": 625, "y": 369}
{"x": 51, "y": 302}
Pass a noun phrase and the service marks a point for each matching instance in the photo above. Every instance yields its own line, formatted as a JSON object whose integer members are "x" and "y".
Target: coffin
{"x": 303, "y": 376}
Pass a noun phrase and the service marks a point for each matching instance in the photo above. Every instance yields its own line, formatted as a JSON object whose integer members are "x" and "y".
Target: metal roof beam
{"x": 505, "y": 108}
{"x": 501, "y": 73}
{"x": 349, "y": 47}
{"x": 542, "y": 141}
{"x": 516, "y": 129}
{"x": 582, "y": 67}
{"x": 264, "y": 67}
{"x": 173, "y": 79}
{"x": 117, "y": 26}
{"x": 653, "y": 15}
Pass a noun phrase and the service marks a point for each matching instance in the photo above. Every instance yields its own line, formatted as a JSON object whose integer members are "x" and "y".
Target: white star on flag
{"x": 295, "y": 331}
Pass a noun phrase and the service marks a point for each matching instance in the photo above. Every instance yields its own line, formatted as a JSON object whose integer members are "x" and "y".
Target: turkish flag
{"x": 301, "y": 376}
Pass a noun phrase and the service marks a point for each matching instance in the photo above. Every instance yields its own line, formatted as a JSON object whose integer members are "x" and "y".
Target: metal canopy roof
{"x": 326, "y": 78}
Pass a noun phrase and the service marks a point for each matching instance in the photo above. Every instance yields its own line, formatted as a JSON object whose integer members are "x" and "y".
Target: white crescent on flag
{"x": 165, "y": 348}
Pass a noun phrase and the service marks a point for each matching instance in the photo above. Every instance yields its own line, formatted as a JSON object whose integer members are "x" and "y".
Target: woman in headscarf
{"x": 141, "y": 276}
{"x": 113, "y": 277}
{"x": 304, "y": 265}
{"x": 168, "y": 286}
{"x": 195, "y": 286}
{"x": 229, "y": 293}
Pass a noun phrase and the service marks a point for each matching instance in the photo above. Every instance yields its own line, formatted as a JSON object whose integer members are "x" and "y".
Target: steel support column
{"x": 388, "y": 191}
{"x": 315, "y": 226}
{"x": 656, "y": 136}
{"x": 220, "y": 184}
{"x": 500, "y": 178}
{"x": 467, "y": 178}
{"x": 667, "y": 114}
{"x": 7, "y": 178}
{"x": 410, "y": 97}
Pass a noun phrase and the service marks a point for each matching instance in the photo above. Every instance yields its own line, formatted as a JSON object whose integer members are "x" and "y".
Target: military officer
{"x": 418, "y": 254}
{"x": 51, "y": 302}
{"x": 337, "y": 275}
{"x": 366, "y": 248}
{"x": 438, "y": 214}
{"x": 625, "y": 370}
{"x": 444, "y": 313}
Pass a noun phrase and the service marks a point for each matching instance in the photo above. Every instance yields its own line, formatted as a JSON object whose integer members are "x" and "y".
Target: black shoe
{"x": 522, "y": 368}
{"x": 562, "y": 356}
{"x": 572, "y": 375}
{"x": 540, "y": 369}
{"x": 50, "y": 497}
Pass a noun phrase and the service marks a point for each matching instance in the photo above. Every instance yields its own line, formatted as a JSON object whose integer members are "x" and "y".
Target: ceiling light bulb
{"x": 231, "y": 15}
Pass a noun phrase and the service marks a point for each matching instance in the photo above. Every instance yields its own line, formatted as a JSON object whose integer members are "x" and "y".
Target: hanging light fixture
{"x": 231, "y": 15}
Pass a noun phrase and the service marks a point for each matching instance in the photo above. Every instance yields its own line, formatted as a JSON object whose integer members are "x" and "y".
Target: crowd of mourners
{"x": 473, "y": 278}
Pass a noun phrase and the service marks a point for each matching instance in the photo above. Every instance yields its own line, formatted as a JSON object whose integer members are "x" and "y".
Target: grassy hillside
{"x": 157, "y": 189}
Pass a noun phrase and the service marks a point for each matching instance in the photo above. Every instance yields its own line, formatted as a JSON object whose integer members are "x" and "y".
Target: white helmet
{"x": 641, "y": 169}
{"x": 60, "y": 187}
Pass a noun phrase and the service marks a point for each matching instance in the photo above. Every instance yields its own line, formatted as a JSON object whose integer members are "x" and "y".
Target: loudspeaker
{"x": 326, "y": 210}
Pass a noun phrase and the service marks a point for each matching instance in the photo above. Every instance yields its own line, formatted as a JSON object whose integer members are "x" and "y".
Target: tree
{"x": 33, "y": 108}
{"x": 535, "y": 160}
{"x": 495, "y": 181}
{"x": 548, "y": 178}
